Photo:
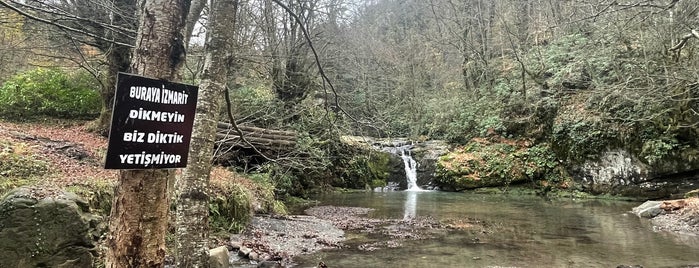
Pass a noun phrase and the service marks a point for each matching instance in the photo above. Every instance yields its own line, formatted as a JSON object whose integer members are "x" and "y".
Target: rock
{"x": 613, "y": 169}
{"x": 649, "y": 209}
{"x": 46, "y": 228}
{"x": 427, "y": 154}
{"x": 218, "y": 257}
{"x": 619, "y": 172}
{"x": 673, "y": 205}
{"x": 576, "y": 77}
{"x": 269, "y": 264}
{"x": 254, "y": 256}
{"x": 692, "y": 193}
{"x": 235, "y": 243}
{"x": 244, "y": 251}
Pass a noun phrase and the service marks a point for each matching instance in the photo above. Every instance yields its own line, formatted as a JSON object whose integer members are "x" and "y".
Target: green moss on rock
{"x": 97, "y": 194}
{"x": 19, "y": 166}
{"x": 46, "y": 228}
{"x": 366, "y": 168}
{"x": 692, "y": 194}
{"x": 499, "y": 162}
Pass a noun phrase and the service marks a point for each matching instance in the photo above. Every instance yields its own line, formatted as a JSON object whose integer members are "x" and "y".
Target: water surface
{"x": 517, "y": 231}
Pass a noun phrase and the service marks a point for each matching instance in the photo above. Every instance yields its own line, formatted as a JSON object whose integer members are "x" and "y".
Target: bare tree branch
{"x": 694, "y": 33}
{"x": 317, "y": 59}
{"x": 237, "y": 129}
{"x": 61, "y": 26}
{"x": 65, "y": 15}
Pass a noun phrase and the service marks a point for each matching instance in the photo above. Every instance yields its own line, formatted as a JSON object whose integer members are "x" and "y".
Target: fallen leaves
{"x": 73, "y": 153}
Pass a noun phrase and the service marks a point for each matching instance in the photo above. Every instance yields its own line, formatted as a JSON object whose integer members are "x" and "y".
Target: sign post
{"x": 151, "y": 123}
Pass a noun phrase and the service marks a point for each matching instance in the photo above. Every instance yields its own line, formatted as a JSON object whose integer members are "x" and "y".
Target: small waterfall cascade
{"x": 402, "y": 149}
{"x": 410, "y": 170}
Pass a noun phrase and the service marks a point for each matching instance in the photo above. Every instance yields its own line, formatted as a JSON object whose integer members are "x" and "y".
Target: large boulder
{"x": 46, "y": 228}
{"x": 218, "y": 257}
{"x": 620, "y": 172}
{"x": 648, "y": 210}
{"x": 498, "y": 162}
{"x": 612, "y": 170}
{"x": 426, "y": 155}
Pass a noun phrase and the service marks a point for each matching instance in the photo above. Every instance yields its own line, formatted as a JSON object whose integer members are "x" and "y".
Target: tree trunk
{"x": 138, "y": 222}
{"x": 193, "y": 17}
{"x": 193, "y": 197}
{"x": 118, "y": 60}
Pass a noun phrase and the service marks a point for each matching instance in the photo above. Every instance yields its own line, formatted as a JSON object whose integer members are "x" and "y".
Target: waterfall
{"x": 402, "y": 148}
{"x": 410, "y": 171}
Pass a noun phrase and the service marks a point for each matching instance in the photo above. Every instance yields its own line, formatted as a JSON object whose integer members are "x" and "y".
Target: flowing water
{"x": 516, "y": 231}
{"x": 410, "y": 170}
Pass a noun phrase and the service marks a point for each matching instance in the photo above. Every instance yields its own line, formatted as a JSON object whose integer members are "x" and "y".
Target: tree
{"x": 193, "y": 198}
{"x": 118, "y": 59}
{"x": 12, "y": 39}
{"x": 291, "y": 64}
{"x": 107, "y": 26}
{"x": 138, "y": 220}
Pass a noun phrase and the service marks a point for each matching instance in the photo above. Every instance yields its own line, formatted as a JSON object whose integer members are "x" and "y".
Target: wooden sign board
{"x": 151, "y": 123}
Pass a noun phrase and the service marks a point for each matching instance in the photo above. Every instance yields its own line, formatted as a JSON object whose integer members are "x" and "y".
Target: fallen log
{"x": 260, "y": 138}
{"x": 234, "y": 139}
{"x": 256, "y": 135}
{"x": 223, "y": 126}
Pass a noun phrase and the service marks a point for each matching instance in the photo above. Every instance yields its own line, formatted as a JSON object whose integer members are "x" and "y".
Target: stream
{"x": 513, "y": 231}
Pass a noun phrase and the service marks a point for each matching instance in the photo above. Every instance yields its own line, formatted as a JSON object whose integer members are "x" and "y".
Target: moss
{"x": 365, "y": 168}
{"x": 378, "y": 183}
{"x": 7, "y": 184}
{"x": 500, "y": 162}
{"x": 692, "y": 193}
{"x": 19, "y": 166}
{"x": 230, "y": 210}
{"x": 235, "y": 199}
{"x": 98, "y": 194}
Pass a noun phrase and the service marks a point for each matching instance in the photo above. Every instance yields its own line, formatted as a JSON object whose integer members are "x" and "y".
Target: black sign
{"x": 151, "y": 123}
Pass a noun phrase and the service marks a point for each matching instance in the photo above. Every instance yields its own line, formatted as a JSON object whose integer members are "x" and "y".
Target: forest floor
{"x": 73, "y": 154}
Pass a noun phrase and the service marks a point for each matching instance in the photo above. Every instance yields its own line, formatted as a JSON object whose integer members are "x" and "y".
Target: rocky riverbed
{"x": 680, "y": 217}
{"x": 275, "y": 241}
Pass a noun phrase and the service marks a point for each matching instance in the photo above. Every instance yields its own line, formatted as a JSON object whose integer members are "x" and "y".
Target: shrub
{"x": 231, "y": 211}
{"x": 49, "y": 92}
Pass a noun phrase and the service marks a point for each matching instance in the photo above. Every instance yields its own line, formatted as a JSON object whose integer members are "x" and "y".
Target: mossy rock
{"x": 98, "y": 195}
{"x": 365, "y": 168}
{"x": 499, "y": 162}
{"x": 19, "y": 166}
{"x": 46, "y": 228}
{"x": 692, "y": 194}
{"x": 230, "y": 210}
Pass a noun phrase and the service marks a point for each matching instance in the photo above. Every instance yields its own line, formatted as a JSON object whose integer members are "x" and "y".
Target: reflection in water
{"x": 410, "y": 208}
{"x": 513, "y": 232}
